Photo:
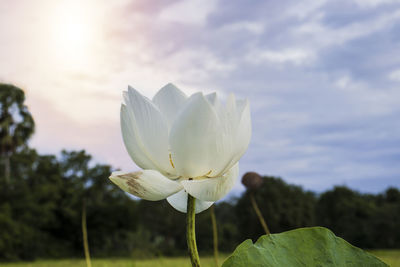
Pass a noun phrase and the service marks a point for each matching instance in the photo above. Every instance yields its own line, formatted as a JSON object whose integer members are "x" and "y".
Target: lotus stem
{"x": 85, "y": 236}
{"x": 259, "y": 215}
{"x": 215, "y": 235}
{"x": 191, "y": 232}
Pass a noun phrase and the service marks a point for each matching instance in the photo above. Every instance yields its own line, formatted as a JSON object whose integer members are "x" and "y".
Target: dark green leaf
{"x": 315, "y": 246}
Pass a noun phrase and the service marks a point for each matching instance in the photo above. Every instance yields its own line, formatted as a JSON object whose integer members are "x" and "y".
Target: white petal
{"x": 242, "y": 131}
{"x": 199, "y": 146}
{"x": 212, "y": 189}
{"x": 228, "y": 118}
{"x": 243, "y": 134}
{"x": 212, "y": 98}
{"x": 231, "y": 103}
{"x": 146, "y": 184}
{"x": 179, "y": 202}
{"x": 241, "y": 104}
{"x": 133, "y": 145}
{"x": 148, "y": 129}
{"x": 169, "y": 100}
{"x": 125, "y": 97}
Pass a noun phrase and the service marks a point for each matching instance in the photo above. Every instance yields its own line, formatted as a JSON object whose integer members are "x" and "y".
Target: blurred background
{"x": 322, "y": 77}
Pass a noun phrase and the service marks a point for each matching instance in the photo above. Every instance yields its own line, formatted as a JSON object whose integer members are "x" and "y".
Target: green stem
{"x": 215, "y": 234}
{"x": 258, "y": 212}
{"x": 85, "y": 237}
{"x": 190, "y": 231}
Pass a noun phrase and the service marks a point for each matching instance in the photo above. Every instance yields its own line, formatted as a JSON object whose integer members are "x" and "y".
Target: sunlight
{"x": 73, "y": 32}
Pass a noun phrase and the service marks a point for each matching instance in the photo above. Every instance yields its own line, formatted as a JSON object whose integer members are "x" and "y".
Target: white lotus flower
{"x": 183, "y": 144}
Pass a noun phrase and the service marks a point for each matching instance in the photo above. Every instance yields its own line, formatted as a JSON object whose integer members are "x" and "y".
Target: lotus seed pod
{"x": 252, "y": 180}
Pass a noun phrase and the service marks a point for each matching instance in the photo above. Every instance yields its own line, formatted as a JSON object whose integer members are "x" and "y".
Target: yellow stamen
{"x": 170, "y": 161}
{"x": 208, "y": 173}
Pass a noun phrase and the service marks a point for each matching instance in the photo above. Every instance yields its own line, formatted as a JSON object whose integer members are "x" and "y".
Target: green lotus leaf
{"x": 314, "y": 246}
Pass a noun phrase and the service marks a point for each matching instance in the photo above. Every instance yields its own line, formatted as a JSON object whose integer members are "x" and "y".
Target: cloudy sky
{"x": 322, "y": 77}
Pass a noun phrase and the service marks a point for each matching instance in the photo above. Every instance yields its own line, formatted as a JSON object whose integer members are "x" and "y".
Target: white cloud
{"x": 308, "y": 95}
{"x": 394, "y": 75}
{"x": 192, "y": 11}
{"x": 318, "y": 35}
{"x": 367, "y": 100}
{"x": 306, "y": 9}
{"x": 196, "y": 65}
{"x": 250, "y": 26}
{"x": 347, "y": 83}
{"x": 374, "y": 3}
{"x": 293, "y": 56}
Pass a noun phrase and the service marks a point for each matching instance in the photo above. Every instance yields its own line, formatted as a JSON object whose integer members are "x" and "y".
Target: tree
{"x": 349, "y": 215}
{"x": 16, "y": 123}
{"x": 284, "y": 207}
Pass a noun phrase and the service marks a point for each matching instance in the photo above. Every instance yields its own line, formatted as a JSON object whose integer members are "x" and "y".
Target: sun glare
{"x": 73, "y": 32}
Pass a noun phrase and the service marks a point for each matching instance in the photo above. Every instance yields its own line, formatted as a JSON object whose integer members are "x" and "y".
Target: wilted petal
{"x": 179, "y": 202}
{"x": 146, "y": 184}
{"x": 212, "y": 189}
{"x": 169, "y": 100}
{"x": 199, "y": 146}
{"x": 149, "y": 128}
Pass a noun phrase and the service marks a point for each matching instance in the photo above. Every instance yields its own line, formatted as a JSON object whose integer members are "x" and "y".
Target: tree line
{"x": 42, "y": 198}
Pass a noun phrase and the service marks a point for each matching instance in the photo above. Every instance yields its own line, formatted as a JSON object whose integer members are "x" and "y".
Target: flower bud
{"x": 252, "y": 180}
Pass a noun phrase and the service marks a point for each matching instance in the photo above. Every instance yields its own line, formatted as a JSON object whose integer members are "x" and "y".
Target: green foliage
{"x": 284, "y": 207}
{"x": 40, "y": 213}
{"x": 370, "y": 221}
{"x": 118, "y": 262}
{"x": 227, "y": 223}
{"x": 40, "y": 210}
{"x": 16, "y": 124}
{"x": 389, "y": 256}
{"x": 316, "y": 246}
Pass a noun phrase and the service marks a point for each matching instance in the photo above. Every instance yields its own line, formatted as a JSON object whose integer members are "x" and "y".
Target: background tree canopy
{"x": 40, "y": 206}
{"x": 16, "y": 123}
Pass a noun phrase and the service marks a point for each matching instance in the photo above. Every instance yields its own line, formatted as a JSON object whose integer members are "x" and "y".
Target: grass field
{"x": 158, "y": 262}
{"x": 391, "y": 257}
